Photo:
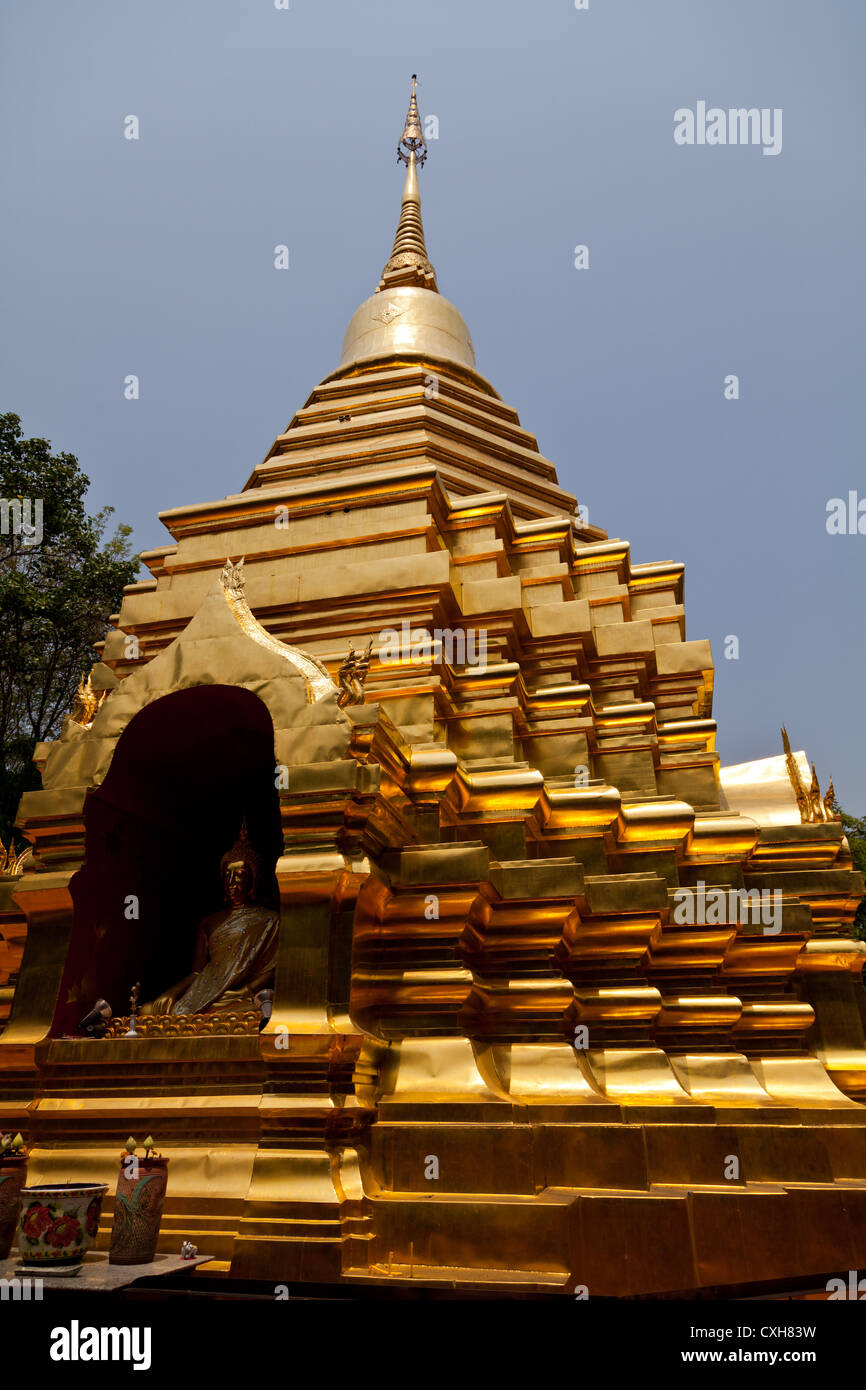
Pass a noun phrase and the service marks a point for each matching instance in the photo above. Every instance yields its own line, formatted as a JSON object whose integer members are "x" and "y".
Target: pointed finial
{"x": 830, "y": 802}
{"x": 232, "y": 576}
{"x": 409, "y": 263}
{"x": 802, "y": 796}
{"x": 412, "y": 140}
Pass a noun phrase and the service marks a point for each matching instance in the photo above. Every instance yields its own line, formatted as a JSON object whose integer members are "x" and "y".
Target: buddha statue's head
{"x": 238, "y": 883}
{"x": 240, "y": 871}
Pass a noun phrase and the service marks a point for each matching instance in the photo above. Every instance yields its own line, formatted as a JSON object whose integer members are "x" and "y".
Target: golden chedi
{"x": 556, "y": 1000}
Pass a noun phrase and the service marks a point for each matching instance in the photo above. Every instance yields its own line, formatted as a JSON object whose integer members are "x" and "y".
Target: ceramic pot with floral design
{"x": 58, "y": 1223}
{"x": 13, "y": 1171}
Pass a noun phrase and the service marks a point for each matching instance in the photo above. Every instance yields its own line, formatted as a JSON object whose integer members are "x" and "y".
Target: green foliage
{"x": 55, "y": 598}
{"x": 855, "y": 829}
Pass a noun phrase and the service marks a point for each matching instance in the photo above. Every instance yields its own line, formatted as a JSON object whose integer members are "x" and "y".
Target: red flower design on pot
{"x": 37, "y": 1219}
{"x": 65, "y": 1231}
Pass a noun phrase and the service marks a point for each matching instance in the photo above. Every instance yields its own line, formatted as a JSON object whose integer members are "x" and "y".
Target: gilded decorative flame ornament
{"x": 317, "y": 680}
{"x": 87, "y": 702}
{"x": 352, "y": 675}
{"x": 811, "y": 805}
{"x": 12, "y": 860}
{"x": 518, "y": 916}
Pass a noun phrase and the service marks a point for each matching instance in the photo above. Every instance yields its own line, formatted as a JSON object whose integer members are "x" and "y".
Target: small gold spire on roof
{"x": 409, "y": 263}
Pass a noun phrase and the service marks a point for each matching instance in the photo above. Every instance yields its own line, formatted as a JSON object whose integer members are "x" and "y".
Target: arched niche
{"x": 185, "y": 771}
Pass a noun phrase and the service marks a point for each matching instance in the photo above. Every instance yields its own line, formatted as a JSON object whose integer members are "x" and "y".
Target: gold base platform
{"x": 621, "y": 1200}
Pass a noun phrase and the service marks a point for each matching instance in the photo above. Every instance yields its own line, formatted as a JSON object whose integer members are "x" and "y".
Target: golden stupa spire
{"x": 409, "y": 263}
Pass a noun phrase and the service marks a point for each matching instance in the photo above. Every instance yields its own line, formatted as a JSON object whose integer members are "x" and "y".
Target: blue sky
{"x": 260, "y": 127}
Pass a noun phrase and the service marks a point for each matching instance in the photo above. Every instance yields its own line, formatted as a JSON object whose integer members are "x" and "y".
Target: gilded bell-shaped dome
{"x": 407, "y": 321}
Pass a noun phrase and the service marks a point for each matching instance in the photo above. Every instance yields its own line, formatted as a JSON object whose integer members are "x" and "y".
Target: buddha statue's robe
{"x": 240, "y": 947}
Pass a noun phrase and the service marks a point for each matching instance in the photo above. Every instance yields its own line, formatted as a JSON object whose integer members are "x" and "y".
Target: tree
{"x": 59, "y": 581}
{"x": 855, "y": 829}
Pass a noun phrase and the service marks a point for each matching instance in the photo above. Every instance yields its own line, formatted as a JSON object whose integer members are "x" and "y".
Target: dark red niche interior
{"x": 185, "y": 772}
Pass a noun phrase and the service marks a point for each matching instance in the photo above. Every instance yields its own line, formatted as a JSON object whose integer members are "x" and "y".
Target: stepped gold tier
{"x": 556, "y": 1002}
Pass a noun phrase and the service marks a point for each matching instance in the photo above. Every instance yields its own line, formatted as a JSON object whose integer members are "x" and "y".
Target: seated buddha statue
{"x": 236, "y": 948}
